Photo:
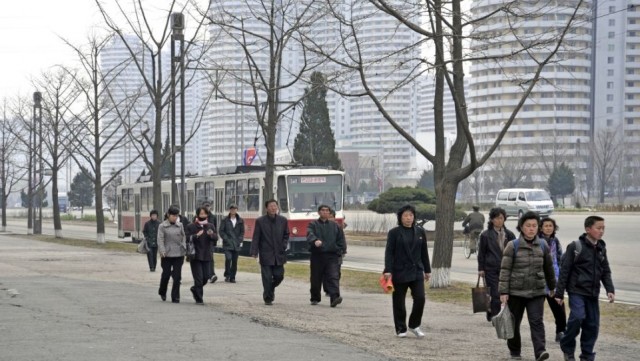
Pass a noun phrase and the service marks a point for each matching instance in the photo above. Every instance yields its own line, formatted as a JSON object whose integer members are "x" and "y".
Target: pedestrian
{"x": 150, "y": 232}
{"x": 202, "y": 234}
{"x": 172, "y": 245}
{"x": 232, "y": 233}
{"x": 490, "y": 249}
{"x": 525, "y": 271}
{"x": 406, "y": 262}
{"x": 473, "y": 224}
{"x": 269, "y": 246}
{"x": 342, "y": 225}
{"x": 213, "y": 220}
{"x": 327, "y": 245}
{"x": 585, "y": 266}
{"x": 548, "y": 229}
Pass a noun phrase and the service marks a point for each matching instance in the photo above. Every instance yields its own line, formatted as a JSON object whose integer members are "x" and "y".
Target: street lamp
{"x": 37, "y": 120}
{"x": 177, "y": 34}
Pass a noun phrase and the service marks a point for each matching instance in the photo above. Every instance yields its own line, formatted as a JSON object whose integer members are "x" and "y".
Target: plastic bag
{"x": 143, "y": 247}
{"x": 504, "y": 323}
{"x": 386, "y": 284}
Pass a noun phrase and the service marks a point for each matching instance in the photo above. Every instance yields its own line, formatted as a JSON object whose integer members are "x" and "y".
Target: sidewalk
{"x": 361, "y": 322}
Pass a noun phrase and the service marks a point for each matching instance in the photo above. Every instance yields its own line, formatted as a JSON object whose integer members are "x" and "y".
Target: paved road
{"x": 73, "y": 303}
{"x": 623, "y": 248}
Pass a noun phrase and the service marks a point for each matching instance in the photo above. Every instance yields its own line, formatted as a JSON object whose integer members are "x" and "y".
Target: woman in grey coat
{"x": 172, "y": 246}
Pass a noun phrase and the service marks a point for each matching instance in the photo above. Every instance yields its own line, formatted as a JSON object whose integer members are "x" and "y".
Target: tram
{"x": 298, "y": 190}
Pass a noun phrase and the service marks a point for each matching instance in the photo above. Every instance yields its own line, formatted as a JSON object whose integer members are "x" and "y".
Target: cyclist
{"x": 473, "y": 224}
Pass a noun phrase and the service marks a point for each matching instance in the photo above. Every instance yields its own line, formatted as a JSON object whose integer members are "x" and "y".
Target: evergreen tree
{"x": 426, "y": 180}
{"x": 81, "y": 190}
{"x": 561, "y": 181}
{"x": 315, "y": 144}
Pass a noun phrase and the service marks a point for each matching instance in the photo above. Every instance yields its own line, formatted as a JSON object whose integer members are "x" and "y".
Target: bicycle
{"x": 468, "y": 251}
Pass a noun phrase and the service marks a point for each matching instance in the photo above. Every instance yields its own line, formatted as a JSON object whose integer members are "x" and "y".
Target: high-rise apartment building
{"x": 555, "y": 119}
{"x": 616, "y": 109}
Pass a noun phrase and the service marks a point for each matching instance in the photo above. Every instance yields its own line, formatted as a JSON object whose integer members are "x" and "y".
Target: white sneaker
{"x": 417, "y": 331}
{"x": 402, "y": 334}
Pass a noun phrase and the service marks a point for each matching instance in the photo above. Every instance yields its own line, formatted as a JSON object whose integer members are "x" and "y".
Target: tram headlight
{"x": 294, "y": 230}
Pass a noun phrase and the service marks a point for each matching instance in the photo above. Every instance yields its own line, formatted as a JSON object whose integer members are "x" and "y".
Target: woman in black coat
{"x": 203, "y": 236}
{"x": 406, "y": 262}
{"x": 492, "y": 243}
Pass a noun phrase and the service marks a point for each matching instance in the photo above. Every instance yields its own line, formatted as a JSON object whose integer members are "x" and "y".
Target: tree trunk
{"x": 57, "y": 224}
{"x": 443, "y": 244}
{"x": 99, "y": 205}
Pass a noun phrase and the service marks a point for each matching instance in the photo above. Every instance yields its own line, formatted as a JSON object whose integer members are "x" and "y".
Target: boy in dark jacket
{"x": 580, "y": 275}
{"x": 327, "y": 245}
{"x": 150, "y": 232}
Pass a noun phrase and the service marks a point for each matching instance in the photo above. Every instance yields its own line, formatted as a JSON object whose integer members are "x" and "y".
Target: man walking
{"x": 327, "y": 244}
{"x": 269, "y": 245}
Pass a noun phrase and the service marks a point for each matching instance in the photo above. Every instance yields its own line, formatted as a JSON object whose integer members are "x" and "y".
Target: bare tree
{"x": 513, "y": 171}
{"x": 450, "y": 33}
{"x": 95, "y": 137}
{"x": 606, "y": 153}
{"x": 264, "y": 31}
{"x": 152, "y": 38}
{"x": 11, "y": 173}
{"x": 59, "y": 94}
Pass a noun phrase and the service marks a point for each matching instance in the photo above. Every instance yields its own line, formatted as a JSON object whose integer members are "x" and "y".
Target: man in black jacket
{"x": 269, "y": 243}
{"x": 150, "y": 231}
{"x": 327, "y": 245}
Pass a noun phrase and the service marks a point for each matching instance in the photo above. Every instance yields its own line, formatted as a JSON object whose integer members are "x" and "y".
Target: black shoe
{"x": 489, "y": 316}
{"x": 336, "y": 301}
{"x": 268, "y": 303}
{"x": 568, "y": 356}
{"x": 177, "y": 300}
{"x": 193, "y": 292}
{"x": 164, "y": 297}
{"x": 152, "y": 269}
{"x": 213, "y": 279}
{"x": 226, "y": 279}
{"x": 232, "y": 280}
{"x": 516, "y": 357}
{"x": 543, "y": 356}
{"x": 559, "y": 336}
{"x": 314, "y": 303}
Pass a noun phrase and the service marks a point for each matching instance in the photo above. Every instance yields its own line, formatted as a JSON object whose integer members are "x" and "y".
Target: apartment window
{"x": 610, "y": 72}
{"x": 630, "y": 121}
{"x": 612, "y": 9}
{"x": 630, "y": 84}
{"x": 611, "y": 47}
{"x": 609, "y": 85}
{"x": 631, "y": 33}
{"x": 612, "y": 22}
{"x": 609, "y": 122}
{"x": 609, "y": 97}
{"x": 630, "y": 71}
{"x": 611, "y": 34}
{"x": 630, "y": 58}
{"x": 630, "y": 96}
{"x": 610, "y": 60}
{"x": 632, "y": 21}
{"x": 629, "y": 109}
{"x": 609, "y": 110}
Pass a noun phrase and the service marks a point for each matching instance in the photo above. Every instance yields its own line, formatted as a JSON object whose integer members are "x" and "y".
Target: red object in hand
{"x": 386, "y": 284}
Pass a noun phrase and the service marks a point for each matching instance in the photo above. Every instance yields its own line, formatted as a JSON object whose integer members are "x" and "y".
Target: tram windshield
{"x": 307, "y": 192}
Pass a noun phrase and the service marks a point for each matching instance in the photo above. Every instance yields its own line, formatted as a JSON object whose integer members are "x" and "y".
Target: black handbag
{"x": 481, "y": 297}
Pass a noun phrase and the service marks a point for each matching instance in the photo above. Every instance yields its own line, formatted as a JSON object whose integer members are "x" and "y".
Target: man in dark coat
{"x": 150, "y": 231}
{"x": 269, "y": 243}
{"x": 213, "y": 221}
{"x": 327, "y": 245}
{"x": 232, "y": 232}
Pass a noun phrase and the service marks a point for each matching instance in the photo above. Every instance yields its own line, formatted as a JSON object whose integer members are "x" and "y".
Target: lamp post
{"x": 177, "y": 34}
{"x": 37, "y": 171}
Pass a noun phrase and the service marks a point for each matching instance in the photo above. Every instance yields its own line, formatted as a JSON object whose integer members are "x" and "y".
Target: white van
{"x": 518, "y": 201}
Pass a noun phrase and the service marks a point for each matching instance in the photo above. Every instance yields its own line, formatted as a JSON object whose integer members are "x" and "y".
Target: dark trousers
{"x": 230, "y": 264}
{"x": 324, "y": 270}
{"x": 272, "y": 276}
{"x": 491, "y": 277}
{"x": 200, "y": 270}
{"x": 171, "y": 268}
{"x": 152, "y": 258}
{"x": 399, "y": 308}
{"x": 535, "y": 309}
{"x": 558, "y": 314}
{"x": 584, "y": 314}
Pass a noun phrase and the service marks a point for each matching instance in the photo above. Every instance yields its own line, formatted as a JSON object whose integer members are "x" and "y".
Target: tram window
{"x": 127, "y": 199}
{"x": 253, "y": 197}
{"x": 282, "y": 194}
{"x": 201, "y": 195}
{"x": 306, "y": 193}
{"x": 146, "y": 198}
{"x": 241, "y": 194}
{"x": 208, "y": 192}
{"x": 229, "y": 193}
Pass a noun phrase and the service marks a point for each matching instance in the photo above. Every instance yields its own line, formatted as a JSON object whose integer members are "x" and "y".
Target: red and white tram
{"x": 299, "y": 191}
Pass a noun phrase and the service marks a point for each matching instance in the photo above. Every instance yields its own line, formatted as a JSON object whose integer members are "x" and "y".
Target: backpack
{"x": 576, "y": 252}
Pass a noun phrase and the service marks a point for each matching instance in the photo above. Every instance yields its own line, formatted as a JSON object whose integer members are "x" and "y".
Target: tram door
{"x": 219, "y": 206}
{"x": 137, "y": 225}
